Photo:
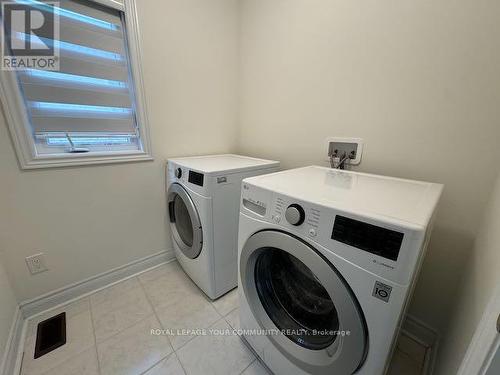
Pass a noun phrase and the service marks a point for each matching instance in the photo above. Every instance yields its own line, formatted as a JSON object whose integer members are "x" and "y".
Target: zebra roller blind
{"x": 89, "y": 101}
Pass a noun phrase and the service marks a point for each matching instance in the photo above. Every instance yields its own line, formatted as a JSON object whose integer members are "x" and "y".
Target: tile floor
{"x": 110, "y": 333}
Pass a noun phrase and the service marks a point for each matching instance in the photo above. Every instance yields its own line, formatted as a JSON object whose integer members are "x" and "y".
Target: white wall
{"x": 8, "y": 306}
{"x": 418, "y": 80}
{"x": 478, "y": 283}
{"x": 91, "y": 219}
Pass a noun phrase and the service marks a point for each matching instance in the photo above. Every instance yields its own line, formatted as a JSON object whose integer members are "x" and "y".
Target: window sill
{"x": 91, "y": 158}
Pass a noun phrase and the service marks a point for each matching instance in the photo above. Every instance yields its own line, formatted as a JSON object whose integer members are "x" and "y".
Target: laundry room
{"x": 249, "y": 187}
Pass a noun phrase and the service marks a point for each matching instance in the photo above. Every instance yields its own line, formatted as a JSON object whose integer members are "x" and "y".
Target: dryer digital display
{"x": 371, "y": 238}
{"x": 195, "y": 178}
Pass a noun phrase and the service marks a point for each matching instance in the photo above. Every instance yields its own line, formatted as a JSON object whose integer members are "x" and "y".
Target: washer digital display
{"x": 371, "y": 238}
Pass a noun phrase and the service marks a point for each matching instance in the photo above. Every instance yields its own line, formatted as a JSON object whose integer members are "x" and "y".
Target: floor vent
{"x": 50, "y": 335}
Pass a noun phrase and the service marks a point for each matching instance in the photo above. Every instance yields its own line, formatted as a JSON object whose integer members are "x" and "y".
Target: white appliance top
{"x": 229, "y": 163}
{"x": 368, "y": 194}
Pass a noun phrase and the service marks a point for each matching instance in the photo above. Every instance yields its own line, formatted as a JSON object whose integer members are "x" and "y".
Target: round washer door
{"x": 291, "y": 287}
{"x": 184, "y": 221}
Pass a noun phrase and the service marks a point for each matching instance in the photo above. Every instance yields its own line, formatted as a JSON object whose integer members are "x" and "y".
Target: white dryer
{"x": 327, "y": 262}
{"x": 203, "y": 204}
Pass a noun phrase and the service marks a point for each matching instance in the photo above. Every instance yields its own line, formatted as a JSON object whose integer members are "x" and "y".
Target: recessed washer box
{"x": 346, "y": 145}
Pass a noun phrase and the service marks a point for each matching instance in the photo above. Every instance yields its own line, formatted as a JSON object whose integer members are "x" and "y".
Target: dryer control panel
{"x": 194, "y": 180}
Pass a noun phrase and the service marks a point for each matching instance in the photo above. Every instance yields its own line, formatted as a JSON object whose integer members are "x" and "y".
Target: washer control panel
{"x": 383, "y": 247}
{"x": 295, "y": 214}
{"x": 304, "y": 217}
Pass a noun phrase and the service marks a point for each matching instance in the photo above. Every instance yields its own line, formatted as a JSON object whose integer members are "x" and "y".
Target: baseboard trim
{"x": 11, "y": 361}
{"x": 76, "y": 290}
{"x": 12, "y": 358}
{"x": 426, "y": 336}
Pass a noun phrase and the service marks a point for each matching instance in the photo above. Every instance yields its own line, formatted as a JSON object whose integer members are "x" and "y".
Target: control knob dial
{"x": 295, "y": 214}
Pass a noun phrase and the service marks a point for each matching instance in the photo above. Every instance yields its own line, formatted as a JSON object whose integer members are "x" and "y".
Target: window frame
{"x": 16, "y": 114}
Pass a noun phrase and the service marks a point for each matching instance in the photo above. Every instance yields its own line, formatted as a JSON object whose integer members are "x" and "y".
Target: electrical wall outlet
{"x": 36, "y": 263}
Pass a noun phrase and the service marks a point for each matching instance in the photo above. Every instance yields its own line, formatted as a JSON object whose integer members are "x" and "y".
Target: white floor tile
{"x": 134, "y": 350}
{"x": 163, "y": 270}
{"x": 169, "y": 285}
{"x": 192, "y": 313}
{"x": 82, "y": 364}
{"x": 71, "y": 309}
{"x": 227, "y": 303}
{"x": 121, "y": 318}
{"x": 169, "y": 366}
{"x": 215, "y": 354}
{"x": 118, "y": 307}
{"x": 233, "y": 318}
{"x": 79, "y": 337}
{"x": 256, "y": 368}
{"x": 114, "y": 290}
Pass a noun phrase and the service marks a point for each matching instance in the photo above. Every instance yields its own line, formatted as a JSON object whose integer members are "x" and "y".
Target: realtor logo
{"x": 30, "y": 35}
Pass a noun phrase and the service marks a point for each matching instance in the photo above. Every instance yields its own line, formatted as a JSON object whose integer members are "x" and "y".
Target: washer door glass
{"x": 295, "y": 299}
{"x": 184, "y": 222}
{"x": 293, "y": 291}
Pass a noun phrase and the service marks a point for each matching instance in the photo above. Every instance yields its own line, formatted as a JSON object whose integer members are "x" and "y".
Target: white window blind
{"x": 88, "y": 105}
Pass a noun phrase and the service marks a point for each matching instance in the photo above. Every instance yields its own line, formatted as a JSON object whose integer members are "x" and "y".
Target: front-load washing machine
{"x": 327, "y": 263}
{"x": 203, "y": 206}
